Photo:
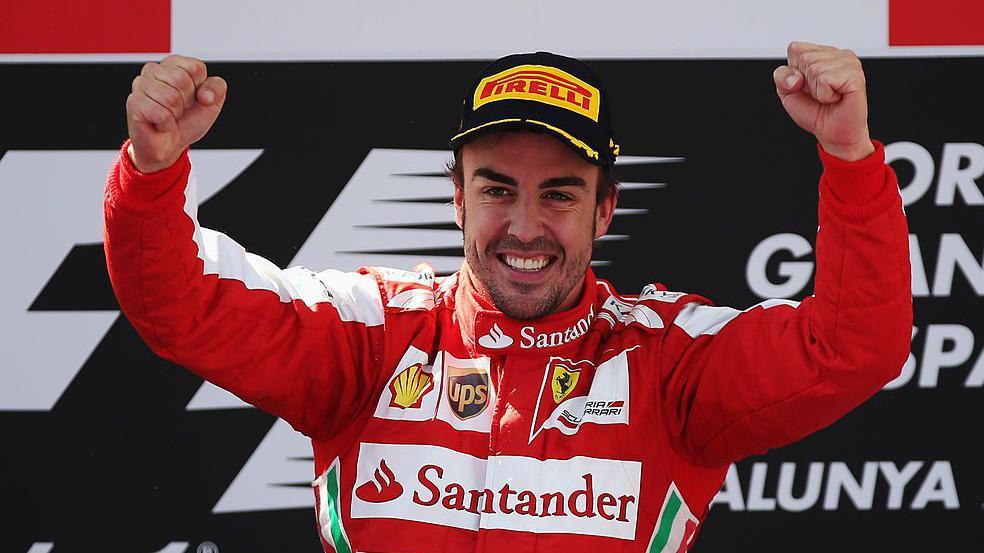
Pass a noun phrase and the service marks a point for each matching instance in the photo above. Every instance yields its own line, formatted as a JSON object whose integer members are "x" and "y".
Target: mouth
{"x": 527, "y": 263}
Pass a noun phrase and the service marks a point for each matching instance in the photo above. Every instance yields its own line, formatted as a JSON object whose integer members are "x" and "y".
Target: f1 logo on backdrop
{"x": 52, "y": 201}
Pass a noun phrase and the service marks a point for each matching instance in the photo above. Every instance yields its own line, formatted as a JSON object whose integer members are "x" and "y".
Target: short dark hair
{"x": 607, "y": 184}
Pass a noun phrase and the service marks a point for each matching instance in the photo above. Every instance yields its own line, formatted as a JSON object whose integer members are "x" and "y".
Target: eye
{"x": 496, "y": 191}
{"x": 558, "y": 196}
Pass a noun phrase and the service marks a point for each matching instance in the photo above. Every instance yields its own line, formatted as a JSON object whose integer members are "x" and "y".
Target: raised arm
{"x": 735, "y": 383}
{"x": 304, "y": 346}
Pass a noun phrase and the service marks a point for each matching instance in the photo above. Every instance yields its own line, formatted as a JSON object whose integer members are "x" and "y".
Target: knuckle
{"x": 160, "y": 93}
{"x": 181, "y": 79}
{"x": 143, "y": 104}
{"x": 171, "y": 98}
{"x": 161, "y": 114}
{"x": 151, "y": 112}
{"x": 802, "y": 47}
{"x": 198, "y": 66}
{"x": 811, "y": 71}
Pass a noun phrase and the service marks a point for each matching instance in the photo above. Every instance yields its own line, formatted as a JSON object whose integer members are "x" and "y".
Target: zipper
{"x": 496, "y": 366}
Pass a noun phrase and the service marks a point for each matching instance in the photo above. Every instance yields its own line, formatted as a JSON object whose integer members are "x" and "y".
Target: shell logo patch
{"x": 409, "y": 387}
{"x": 540, "y": 83}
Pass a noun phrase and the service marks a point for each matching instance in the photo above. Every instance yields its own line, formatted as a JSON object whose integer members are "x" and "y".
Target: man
{"x": 520, "y": 403}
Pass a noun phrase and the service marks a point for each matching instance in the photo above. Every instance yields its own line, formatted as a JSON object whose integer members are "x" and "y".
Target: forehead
{"x": 528, "y": 153}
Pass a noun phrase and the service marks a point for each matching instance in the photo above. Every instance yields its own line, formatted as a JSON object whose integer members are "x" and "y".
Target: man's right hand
{"x": 172, "y": 105}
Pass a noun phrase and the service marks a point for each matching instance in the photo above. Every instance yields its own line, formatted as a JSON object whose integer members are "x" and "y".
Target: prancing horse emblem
{"x": 564, "y": 380}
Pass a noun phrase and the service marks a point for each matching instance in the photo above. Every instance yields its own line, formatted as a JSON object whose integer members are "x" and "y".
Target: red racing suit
{"x": 440, "y": 424}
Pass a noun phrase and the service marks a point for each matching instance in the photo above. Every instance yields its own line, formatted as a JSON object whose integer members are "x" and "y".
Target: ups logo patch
{"x": 468, "y": 391}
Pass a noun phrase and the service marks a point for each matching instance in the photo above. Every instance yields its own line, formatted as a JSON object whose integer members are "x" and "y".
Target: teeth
{"x": 526, "y": 264}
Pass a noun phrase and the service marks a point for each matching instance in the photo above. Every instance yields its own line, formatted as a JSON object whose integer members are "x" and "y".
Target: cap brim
{"x": 576, "y": 144}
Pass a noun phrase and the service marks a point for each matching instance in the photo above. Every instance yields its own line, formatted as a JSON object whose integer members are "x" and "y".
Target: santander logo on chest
{"x": 437, "y": 485}
{"x": 497, "y": 333}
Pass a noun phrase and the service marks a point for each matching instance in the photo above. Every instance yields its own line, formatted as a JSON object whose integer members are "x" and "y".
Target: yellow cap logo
{"x": 540, "y": 83}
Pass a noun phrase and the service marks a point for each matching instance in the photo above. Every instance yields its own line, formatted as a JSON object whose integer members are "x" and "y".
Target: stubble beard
{"x": 524, "y": 305}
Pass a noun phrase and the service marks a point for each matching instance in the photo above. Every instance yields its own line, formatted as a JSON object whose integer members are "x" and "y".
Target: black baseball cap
{"x": 542, "y": 92}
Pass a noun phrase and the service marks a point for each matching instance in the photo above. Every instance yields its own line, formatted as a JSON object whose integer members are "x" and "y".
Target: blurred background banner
{"x": 338, "y": 113}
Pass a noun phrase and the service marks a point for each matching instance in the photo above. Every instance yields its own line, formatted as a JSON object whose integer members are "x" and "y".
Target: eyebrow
{"x": 563, "y": 181}
{"x": 489, "y": 174}
{"x": 553, "y": 182}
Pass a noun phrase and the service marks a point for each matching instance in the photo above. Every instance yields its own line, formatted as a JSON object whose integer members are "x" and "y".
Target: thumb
{"x": 788, "y": 80}
{"x": 212, "y": 91}
{"x": 796, "y": 99}
{"x": 196, "y": 121}
{"x": 424, "y": 268}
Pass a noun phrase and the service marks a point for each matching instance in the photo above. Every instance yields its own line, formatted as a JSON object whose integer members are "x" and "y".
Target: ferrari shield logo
{"x": 564, "y": 380}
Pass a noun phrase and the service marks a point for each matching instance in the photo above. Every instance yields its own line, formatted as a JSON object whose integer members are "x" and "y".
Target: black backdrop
{"x": 119, "y": 464}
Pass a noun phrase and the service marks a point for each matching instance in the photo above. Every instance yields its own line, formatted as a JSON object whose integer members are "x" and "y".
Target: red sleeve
{"x": 304, "y": 346}
{"x": 736, "y": 383}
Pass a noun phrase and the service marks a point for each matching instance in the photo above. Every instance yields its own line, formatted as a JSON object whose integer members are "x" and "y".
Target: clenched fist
{"x": 823, "y": 90}
{"x": 172, "y": 105}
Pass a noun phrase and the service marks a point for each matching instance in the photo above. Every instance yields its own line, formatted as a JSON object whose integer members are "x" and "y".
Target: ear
{"x": 604, "y": 212}
{"x": 459, "y": 204}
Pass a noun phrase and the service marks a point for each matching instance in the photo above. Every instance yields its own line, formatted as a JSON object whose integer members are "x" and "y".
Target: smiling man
{"x": 538, "y": 199}
{"x": 520, "y": 403}
{"x": 534, "y": 215}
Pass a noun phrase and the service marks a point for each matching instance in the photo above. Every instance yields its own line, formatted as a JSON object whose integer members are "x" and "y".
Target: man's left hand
{"x": 823, "y": 90}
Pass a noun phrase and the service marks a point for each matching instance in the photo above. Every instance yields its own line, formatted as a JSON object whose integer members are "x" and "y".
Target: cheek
{"x": 574, "y": 231}
{"x": 481, "y": 224}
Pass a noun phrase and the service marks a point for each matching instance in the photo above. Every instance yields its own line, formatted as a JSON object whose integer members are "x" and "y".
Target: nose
{"x": 525, "y": 219}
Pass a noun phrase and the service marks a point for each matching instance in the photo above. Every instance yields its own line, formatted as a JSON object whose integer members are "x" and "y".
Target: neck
{"x": 572, "y": 297}
{"x": 487, "y": 330}
{"x": 484, "y": 299}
